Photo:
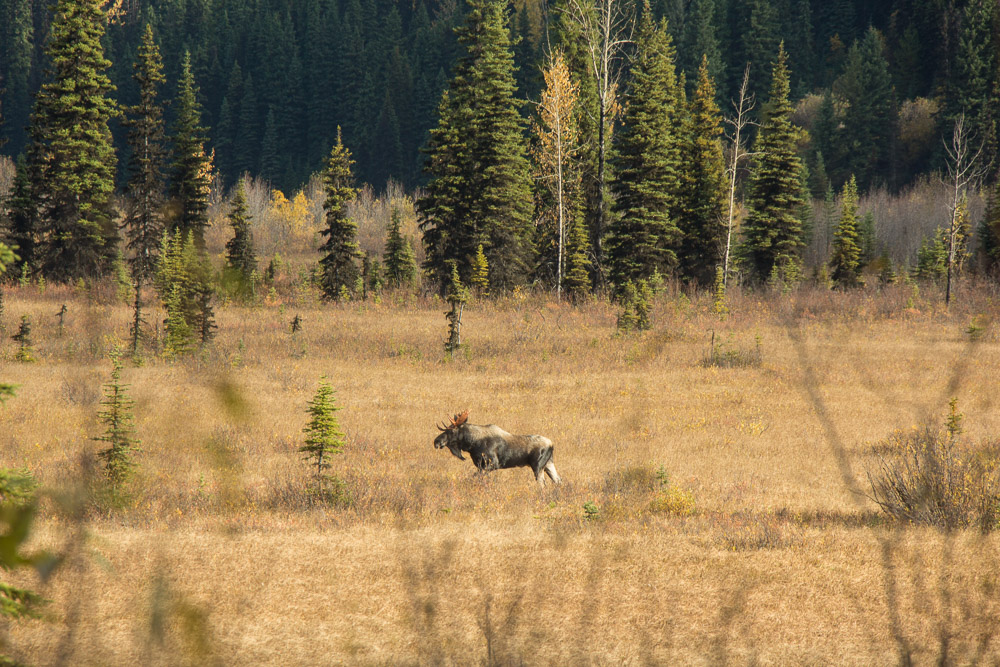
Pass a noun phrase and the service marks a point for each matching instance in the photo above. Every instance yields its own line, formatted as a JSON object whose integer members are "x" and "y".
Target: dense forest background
{"x": 277, "y": 77}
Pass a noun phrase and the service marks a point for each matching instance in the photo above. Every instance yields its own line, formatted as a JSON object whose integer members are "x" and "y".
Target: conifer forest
{"x": 734, "y": 264}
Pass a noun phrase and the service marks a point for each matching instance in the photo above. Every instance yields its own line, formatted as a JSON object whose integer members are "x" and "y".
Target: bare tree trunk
{"x": 605, "y": 36}
{"x": 964, "y": 171}
{"x": 743, "y": 108}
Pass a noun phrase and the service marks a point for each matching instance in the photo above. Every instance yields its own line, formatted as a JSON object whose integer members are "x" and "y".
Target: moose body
{"x": 492, "y": 448}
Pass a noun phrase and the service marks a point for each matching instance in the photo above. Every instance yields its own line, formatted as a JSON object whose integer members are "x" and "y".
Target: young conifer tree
{"x": 25, "y": 347}
{"x": 119, "y": 433}
{"x": 240, "y": 256}
{"x": 845, "y": 264}
{"x": 773, "y": 237}
{"x": 340, "y": 250}
{"x": 480, "y": 277}
{"x": 400, "y": 262}
{"x": 323, "y": 437}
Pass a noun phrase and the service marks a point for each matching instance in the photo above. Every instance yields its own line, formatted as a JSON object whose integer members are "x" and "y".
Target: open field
{"x": 219, "y": 559}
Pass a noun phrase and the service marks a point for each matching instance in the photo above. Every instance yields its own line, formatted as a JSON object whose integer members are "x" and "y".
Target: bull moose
{"x": 492, "y": 448}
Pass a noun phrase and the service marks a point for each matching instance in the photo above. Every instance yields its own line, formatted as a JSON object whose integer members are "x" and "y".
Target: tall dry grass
{"x": 731, "y": 520}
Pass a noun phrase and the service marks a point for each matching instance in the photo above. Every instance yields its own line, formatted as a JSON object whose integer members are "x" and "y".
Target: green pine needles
{"x": 241, "y": 260}
{"x": 845, "y": 265}
{"x": 72, "y": 158}
{"x": 773, "y": 236}
{"x": 323, "y": 440}
{"x": 25, "y": 348}
{"x": 645, "y": 236}
{"x": 340, "y": 250}
{"x": 191, "y": 168}
{"x": 457, "y": 297}
{"x": 400, "y": 262}
{"x": 119, "y": 431}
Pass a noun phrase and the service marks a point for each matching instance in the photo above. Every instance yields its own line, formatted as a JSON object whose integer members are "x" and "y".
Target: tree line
{"x": 618, "y": 173}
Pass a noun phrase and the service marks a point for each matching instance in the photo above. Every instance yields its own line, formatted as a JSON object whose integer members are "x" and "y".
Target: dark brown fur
{"x": 492, "y": 448}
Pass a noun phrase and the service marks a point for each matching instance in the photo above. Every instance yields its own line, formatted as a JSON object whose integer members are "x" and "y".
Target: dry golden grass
{"x": 218, "y": 558}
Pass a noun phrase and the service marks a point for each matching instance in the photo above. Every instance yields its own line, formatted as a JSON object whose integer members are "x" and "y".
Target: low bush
{"x": 935, "y": 477}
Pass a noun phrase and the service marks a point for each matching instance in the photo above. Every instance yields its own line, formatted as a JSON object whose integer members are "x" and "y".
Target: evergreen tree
{"x": 400, "y": 263}
{"x": 480, "y": 278}
{"x": 968, "y": 89}
{"x": 143, "y": 220}
{"x": 845, "y": 265}
{"x": 989, "y": 233}
{"x": 183, "y": 281}
{"x": 577, "y": 263}
{"x": 240, "y": 256}
{"x": 22, "y": 219}
{"x": 773, "y": 237}
{"x": 246, "y": 150}
{"x": 119, "y": 433}
{"x": 16, "y": 59}
{"x": 72, "y": 160}
{"x": 869, "y": 120}
{"x": 340, "y": 250}
{"x": 191, "y": 169}
{"x": 25, "y": 346}
{"x": 645, "y": 237}
{"x": 479, "y": 188}
{"x": 701, "y": 43}
{"x": 323, "y": 437}
{"x": 270, "y": 165}
{"x": 456, "y": 296}
{"x": 703, "y": 185}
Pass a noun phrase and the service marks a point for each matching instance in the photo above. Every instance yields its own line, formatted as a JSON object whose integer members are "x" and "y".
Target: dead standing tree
{"x": 743, "y": 108}
{"x": 605, "y": 29}
{"x": 964, "y": 171}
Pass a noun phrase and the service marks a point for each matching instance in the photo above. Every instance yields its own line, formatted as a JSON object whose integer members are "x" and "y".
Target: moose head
{"x": 447, "y": 437}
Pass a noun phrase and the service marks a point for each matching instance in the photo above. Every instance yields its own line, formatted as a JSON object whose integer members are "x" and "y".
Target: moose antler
{"x": 460, "y": 419}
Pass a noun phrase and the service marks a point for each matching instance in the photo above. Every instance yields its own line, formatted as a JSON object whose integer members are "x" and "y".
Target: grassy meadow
{"x": 727, "y": 514}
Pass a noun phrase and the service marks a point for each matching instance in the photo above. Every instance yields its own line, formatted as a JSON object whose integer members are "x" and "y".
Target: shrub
{"x": 724, "y": 354}
{"x": 671, "y": 499}
{"x": 934, "y": 477}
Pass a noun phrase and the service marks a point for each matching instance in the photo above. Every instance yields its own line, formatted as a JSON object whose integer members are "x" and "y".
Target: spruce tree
{"x": 773, "y": 238}
{"x": 240, "y": 256}
{"x": 645, "y": 236}
{"x": 72, "y": 160}
{"x": 480, "y": 187}
{"x": 869, "y": 121}
{"x": 323, "y": 438}
{"x": 480, "y": 278}
{"x": 22, "y": 219}
{"x": 190, "y": 178}
{"x": 989, "y": 233}
{"x": 25, "y": 346}
{"x": 845, "y": 265}
{"x": 340, "y": 250}
{"x": 577, "y": 263}
{"x": 143, "y": 219}
{"x": 119, "y": 433}
{"x": 400, "y": 263}
{"x": 703, "y": 186}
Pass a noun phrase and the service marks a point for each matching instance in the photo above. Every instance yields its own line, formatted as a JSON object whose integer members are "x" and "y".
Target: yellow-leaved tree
{"x": 555, "y": 161}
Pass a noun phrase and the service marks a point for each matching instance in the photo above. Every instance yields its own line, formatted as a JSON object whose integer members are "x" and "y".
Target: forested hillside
{"x": 586, "y": 144}
{"x": 277, "y": 77}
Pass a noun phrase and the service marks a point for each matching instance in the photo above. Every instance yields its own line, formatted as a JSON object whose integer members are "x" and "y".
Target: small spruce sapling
{"x": 480, "y": 272}
{"x": 457, "y": 297}
{"x": 25, "y": 349}
{"x": 323, "y": 438}
{"x": 119, "y": 431}
{"x": 719, "y": 306}
{"x": 296, "y": 324}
